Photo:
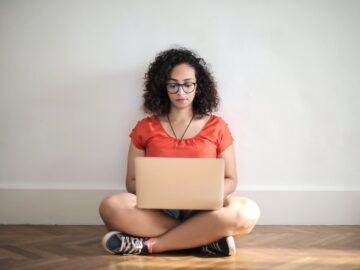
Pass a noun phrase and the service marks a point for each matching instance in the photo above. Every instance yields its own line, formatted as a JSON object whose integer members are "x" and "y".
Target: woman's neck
{"x": 176, "y": 115}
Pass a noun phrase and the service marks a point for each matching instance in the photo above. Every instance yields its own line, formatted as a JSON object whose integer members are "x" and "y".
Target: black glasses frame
{"x": 178, "y": 85}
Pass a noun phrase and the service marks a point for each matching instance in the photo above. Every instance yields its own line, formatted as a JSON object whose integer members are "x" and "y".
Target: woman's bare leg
{"x": 238, "y": 216}
{"x": 119, "y": 213}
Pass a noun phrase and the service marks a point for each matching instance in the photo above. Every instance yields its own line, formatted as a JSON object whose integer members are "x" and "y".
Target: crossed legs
{"x": 238, "y": 216}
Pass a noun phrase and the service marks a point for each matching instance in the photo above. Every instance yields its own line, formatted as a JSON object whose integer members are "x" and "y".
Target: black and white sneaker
{"x": 223, "y": 247}
{"x": 119, "y": 243}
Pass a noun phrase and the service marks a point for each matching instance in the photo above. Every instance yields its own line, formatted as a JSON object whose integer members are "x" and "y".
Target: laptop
{"x": 179, "y": 183}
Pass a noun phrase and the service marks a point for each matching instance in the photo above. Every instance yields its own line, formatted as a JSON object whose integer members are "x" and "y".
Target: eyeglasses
{"x": 187, "y": 87}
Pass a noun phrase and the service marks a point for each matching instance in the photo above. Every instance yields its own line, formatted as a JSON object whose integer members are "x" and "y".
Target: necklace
{"x": 185, "y": 129}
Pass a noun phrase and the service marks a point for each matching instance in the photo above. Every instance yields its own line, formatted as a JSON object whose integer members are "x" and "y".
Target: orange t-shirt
{"x": 150, "y": 136}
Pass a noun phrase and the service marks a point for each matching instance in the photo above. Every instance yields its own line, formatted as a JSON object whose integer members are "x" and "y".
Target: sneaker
{"x": 223, "y": 247}
{"x": 119, "y": 243}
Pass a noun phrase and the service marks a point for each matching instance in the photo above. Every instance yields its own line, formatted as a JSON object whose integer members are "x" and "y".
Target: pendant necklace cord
{"x": 185, "y": 129}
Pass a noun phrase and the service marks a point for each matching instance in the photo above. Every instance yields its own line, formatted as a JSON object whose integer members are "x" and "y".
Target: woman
{"x": 180, "y": 94}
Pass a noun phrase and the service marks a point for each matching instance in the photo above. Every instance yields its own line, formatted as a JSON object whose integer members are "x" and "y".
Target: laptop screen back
{"x": 179, "y": 183}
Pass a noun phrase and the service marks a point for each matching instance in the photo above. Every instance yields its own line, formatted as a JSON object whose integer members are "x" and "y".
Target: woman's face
{"x": 182, "y": 74}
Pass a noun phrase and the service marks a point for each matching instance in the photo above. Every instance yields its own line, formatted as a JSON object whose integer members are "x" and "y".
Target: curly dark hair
{"x": 156, "y": 100}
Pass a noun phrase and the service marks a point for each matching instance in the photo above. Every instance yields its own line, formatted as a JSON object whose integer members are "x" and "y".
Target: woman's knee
{"x": 115, "y": 204}
{"x": 246, "y": 214}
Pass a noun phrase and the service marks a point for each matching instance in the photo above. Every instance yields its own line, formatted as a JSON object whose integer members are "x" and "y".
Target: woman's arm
{"x": 130, "y": 175}
{"x": 230, "y": 170}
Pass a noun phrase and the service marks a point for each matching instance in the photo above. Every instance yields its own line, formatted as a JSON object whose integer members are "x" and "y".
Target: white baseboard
{"x": 307, "y": 207}
{"x": 278, "y": 207}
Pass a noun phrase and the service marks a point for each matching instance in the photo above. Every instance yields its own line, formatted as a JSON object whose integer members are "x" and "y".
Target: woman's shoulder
{"x": 147, "y": 121}
{"x": 214, "y": 126}
{"x": 217, "y": 120}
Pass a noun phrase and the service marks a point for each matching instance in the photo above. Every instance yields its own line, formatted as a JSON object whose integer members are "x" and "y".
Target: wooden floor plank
{"x": 267, "y": 247}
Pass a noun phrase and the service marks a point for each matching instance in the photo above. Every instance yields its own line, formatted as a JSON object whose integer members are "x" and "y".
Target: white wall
{"x": 288, "y": 72}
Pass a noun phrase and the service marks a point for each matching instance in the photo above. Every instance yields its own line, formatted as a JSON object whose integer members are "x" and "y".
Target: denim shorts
{"x": 180, "y": 215}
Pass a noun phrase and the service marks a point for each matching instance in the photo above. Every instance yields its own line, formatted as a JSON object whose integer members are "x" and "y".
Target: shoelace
{"x": 130, "y": 245}
{"x": 212, "y": 248}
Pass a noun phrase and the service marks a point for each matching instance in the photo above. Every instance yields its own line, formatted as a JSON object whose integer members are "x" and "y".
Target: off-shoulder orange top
{"x": 150, "y": 136}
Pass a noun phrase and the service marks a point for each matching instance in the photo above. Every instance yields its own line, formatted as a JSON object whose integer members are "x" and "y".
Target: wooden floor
{"x": 267, "y": 247}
